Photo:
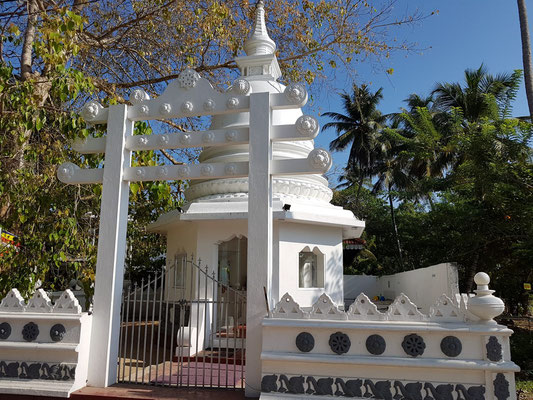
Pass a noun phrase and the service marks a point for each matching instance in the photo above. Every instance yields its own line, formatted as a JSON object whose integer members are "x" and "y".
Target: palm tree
{"x": 484, "y": 95}
{"x": 526, "y": 54}
{"x": 359, "y": 129}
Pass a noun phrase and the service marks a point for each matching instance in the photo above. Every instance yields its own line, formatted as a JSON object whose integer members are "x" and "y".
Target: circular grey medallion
{"x": 57, "y": 332}
{"x": 413, "y": 345}
{"x": 30, "y": 332}
{"x": 375, "y": 344}
{"x": 305, "y": 342}
{"x": 5, "y": 330}
{"x": 451, "y": 346}
{"x": 339, "y": 342}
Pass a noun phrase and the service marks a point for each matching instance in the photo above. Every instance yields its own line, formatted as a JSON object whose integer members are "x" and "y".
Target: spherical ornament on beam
{"x": 209, "y": 105}
{"x": 295, "y": 93}
{"x": 187, "y": 107}
{"x": 241, "y": 86}
{"x": 162, "y": 172}
{"x": 165, "y": 108}
{"x": 144, "y": 110}
{"x": 307, "y": 126}
{"x": 138, "y": 96}
{"x": 185, "y": 139}
{"x": 65, "y": 172}
{"x": 232, "y": 103}
{"x": 164, "y": 139}
{"x": 230, "y": 169}
{"x": 91, "y": 111}
{"x": 207, "y": 170}
{"x": 320, "y": 160}
{"x": 231, "y": 136}
{"x": 208, "y": 137}
{"x": 184, "y": 170}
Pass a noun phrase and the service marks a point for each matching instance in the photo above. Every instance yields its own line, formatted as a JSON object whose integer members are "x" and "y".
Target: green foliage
{"x": 461, "y": 175}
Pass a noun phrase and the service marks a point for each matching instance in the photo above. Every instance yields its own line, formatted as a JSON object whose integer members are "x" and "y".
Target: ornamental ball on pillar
{"x": 484, "y": 305}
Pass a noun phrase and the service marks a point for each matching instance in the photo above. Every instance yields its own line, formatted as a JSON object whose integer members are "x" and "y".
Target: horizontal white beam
{"x": 73, "y": 175}
{"x": 89, "y": 145}
{"x": 402, "y": 362}
{"x": 317, "y": 162}
{"x": 218, "y": 137}
{"x": 187, "y": 171}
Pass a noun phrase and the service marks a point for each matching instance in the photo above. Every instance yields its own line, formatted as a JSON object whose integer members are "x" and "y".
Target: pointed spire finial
{"x": 259, "y": 42}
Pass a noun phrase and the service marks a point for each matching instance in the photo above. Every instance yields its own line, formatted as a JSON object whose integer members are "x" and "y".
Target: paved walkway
{"x": 138, "y": 392}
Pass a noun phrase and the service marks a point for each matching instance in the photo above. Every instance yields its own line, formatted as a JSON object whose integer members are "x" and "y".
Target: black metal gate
{"x": 183, "y": 327}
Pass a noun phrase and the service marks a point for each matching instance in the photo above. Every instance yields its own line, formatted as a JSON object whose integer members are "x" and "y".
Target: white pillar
{"x": 259, "y": 235}
{"x": 111, "y": 251}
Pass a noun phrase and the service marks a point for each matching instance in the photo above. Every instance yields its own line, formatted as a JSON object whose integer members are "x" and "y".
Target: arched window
{"x": 310, "y": 268}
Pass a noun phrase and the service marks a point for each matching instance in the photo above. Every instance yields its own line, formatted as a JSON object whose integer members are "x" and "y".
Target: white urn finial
{"x": 484, "y": 305}
{"x": 259, "y": 42}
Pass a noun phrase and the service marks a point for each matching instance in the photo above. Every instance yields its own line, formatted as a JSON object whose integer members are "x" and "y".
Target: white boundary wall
{"x": 44, "y": 347}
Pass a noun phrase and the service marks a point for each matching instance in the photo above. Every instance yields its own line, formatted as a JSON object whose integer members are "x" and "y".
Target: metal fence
{"x": 182, "y": 327}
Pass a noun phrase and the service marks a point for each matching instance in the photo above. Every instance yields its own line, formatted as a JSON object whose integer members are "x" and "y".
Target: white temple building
{"x": 308, "y": 231}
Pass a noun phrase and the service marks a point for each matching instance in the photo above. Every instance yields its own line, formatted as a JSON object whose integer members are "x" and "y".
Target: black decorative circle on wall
{"x": 305, "y": 342}
{"x": 339, "y": 342}
{"x": 413, "y": 345}
{"x": 451, "y": 346}
{"x": 30, "y": 332}
{"x": 375, "y": 344}
{"x": 57, "y": 332}
{"x": 5, "y": 330}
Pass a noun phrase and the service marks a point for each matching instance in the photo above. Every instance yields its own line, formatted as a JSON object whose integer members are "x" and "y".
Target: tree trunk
{"x": 526, "y": 54}
{"x": 361, "y": 179}
{"x": 395, "y": 230}
{"x": 26, "y": 60}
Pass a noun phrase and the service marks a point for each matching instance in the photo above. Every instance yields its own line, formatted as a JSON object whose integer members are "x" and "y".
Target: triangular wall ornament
{"x": 324, "y": 308}
{"x": 12, "y": 302}
{"x": 67, "y": 303}
{"x": 40, "y": 302}
{"x": 288, "y": 308}
{"x": 445, "y": 310}
{"x": 404, "y": 309}
{"x": 363, "y": 309}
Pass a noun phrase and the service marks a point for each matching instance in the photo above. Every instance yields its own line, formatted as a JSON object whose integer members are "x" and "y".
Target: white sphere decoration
{"x": 138, "y": 96}
{"x": 144, "y": 110}
{"x": 484, "y": 305}
{"x": 139, "y": 172}
{"x": 162, "y": 172}
{"x": 91, "y": 110}
{"x": 207, "y": 170}
{"x": 231, "y": 136}
{"x": 187, "y": 107}
{"x": 241, "y": 86}
{"x": 143, "y": 141}
{"x": 208, "y": 137}
{"x": 295, "y": 93}
{"x": 164, "y": 139}
{"x": 209, "y": 105}
{"x": 165, "y": 108}
{"x": 320, "y": 160}
{"x": 65, "y": 172}
{"x": 184, "y": 170}
{"x": 232, "y": 102}
{"x": 231, "y": 169}
{"x": 307, "y": 126}
{"x": 185, "y": 138}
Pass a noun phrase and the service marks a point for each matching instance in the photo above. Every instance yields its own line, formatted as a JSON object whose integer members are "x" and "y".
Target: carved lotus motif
{"x": 30, "y": 332}
{"x": 413, "y": 345}
{"x": 232, "y": 102}
{"x": 138, "y": 96}
{"x": 295, "y": 93}
{"x": 320, "y": 159}
{"x": 187, "y": 107}
{"x": 339, "y": 342}
{"x": 307, "y": 126}
{"x": 91, "y": 110}
{"x": 165, "y": 108}
{"x": 188, "y": 78}
{"x": 241, "y": 86}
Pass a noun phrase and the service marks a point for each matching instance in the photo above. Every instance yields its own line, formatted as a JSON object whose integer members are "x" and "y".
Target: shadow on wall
{"x": 422, "y": 286}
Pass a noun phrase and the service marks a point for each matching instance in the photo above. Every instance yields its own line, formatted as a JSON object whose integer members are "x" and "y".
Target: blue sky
{"x": 464, "y": 34}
